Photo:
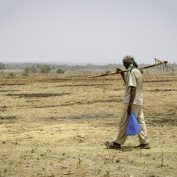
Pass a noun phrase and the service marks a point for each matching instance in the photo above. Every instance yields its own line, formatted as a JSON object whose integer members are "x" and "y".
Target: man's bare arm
{"x": 118, "y": 70}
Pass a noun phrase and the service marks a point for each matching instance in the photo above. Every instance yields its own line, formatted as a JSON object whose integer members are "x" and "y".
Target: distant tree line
{"x": 44, "y": 68}
{"x": 47, "y": 68}
{"x": 32, "y": 68}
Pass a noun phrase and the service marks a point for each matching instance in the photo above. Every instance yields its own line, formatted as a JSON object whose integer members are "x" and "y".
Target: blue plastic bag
{"x": 133, "y": 126}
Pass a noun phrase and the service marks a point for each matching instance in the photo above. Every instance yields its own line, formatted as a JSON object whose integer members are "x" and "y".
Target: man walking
{"x": 133, "y": 101}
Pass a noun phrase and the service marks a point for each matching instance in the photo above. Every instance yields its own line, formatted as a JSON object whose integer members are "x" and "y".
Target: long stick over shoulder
{"x": 141, "y": 68}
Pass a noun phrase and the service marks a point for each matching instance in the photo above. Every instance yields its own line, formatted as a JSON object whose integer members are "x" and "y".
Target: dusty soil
{"x": 56, "y": 127}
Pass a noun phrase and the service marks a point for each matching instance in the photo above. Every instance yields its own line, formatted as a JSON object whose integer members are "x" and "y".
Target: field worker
{"x": 133, "y": 102}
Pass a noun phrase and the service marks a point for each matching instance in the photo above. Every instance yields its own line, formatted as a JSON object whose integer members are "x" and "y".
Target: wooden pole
{"x": 126, "y": 70}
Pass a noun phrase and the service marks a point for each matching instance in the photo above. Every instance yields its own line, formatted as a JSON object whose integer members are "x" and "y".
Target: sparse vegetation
{"x": 56, "y": 126}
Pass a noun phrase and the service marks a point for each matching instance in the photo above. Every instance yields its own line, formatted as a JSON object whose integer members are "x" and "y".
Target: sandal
{"x": 144, "y": 146}
{"x": 112, "y": 145}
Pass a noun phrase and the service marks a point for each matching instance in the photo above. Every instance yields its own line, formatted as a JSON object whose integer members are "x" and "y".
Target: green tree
{"x": 31, "y": 69}
{"x": 45, "y": 68}
{"x": 2, "y": 66}
{"x": 59, "y": 70}
{"x": 27, "y": 70}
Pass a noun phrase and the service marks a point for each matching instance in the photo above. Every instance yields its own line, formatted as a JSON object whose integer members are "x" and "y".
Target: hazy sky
{"x": 87, "y": 31}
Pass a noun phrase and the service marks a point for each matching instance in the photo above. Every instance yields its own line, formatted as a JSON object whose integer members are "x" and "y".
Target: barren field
{"x": 57, "y": 126}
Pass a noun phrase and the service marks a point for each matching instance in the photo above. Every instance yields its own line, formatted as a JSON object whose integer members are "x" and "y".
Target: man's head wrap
{"x": 130, "y": 59}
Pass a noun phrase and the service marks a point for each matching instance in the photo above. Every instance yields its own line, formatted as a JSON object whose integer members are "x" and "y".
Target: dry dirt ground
{"x": 56, "y": 127}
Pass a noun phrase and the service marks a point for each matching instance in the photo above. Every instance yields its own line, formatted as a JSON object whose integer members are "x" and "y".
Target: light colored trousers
{"x": 137, "y": 109}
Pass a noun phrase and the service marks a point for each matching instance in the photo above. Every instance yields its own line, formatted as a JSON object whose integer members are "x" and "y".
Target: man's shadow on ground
{"x": 125, "y": 148}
